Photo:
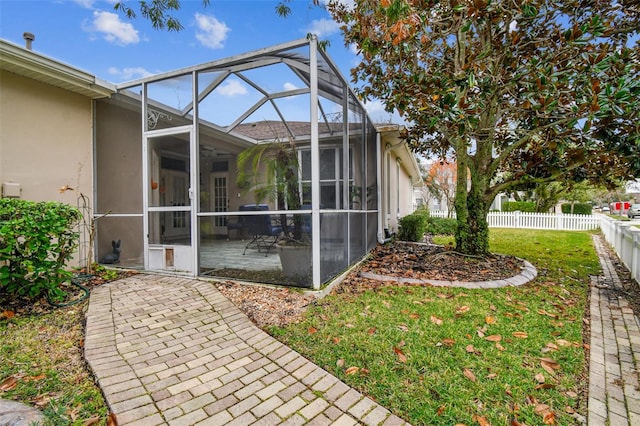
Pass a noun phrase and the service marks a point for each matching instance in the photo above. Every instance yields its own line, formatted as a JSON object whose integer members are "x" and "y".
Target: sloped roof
{"x": 27, "y": 63}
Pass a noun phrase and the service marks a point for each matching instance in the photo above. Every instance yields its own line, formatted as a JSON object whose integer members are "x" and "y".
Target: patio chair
{"x": 264, "y": 235}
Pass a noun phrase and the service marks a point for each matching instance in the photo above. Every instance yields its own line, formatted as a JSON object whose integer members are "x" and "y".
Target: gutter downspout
{"x": 381, "y": 164}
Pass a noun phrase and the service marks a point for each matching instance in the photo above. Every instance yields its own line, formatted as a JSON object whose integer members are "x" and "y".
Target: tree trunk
{"x": 472, "y": 207}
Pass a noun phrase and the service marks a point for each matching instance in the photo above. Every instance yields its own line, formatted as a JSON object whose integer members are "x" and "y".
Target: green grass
{"x": 43, "y": 352}
{"x": 372, "y": 330}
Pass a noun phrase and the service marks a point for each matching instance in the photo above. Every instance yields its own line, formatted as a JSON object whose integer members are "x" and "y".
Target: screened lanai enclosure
{"x": 167, "y": 187}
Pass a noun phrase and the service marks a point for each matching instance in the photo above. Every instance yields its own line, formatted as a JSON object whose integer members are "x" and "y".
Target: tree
{"x": 440, "y": 180}
{"x": 518, "y": 92}
{"x": 161, "y": 12}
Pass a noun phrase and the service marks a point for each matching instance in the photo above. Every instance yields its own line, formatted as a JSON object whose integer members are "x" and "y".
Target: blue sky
{"x": 91, "y": 36}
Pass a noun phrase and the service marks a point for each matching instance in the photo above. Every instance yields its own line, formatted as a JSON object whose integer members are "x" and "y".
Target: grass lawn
{"x": 442, "y": 356}
{"x": 41, "y": 364}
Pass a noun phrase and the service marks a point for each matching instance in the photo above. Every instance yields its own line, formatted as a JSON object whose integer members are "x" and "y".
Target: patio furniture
{"x": 264, "y": 235}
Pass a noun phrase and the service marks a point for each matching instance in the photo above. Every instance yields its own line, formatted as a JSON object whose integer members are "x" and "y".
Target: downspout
{"x": 381, "y": 164}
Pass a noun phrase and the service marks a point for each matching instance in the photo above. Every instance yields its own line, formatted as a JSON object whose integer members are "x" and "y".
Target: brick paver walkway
{"x": 614, "y": 386}
{"x": 169, "y": 350}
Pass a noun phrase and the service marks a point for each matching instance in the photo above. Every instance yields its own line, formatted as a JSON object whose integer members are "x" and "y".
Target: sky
{"x": 92, "y": 36}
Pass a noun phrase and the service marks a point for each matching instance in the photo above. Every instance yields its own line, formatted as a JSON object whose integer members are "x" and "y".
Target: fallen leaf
{"x": 514, "y": 422}
{"x": 7, "y": 314}
{"x": 549, "y": 365}
{"x": 448, "y": 342}
{"x": 469, "y": 374}
{"x": 499, "y": 347}
{"x": 492, "y": 376}
{"x": 340, "y": 363}
{"x": 569, "y": 410}
{"x": 520, "y": 335}
{"x": 493, "y": 308}
{"x": 414, "y": 316}
{"x": 364, "y": 371}
{"x": 551, "y": 346}
{"x": 401, "y": 356}
{"x": 371, "y": 331}
{"x": 541, "y": 409}
{"x": 387, "y": 304}
{"x": 562, "y": 342}
{"x": 91, "y": 421}
{"x": 543, "y": 312}
{"x": 545, "y": 386}
{"x": 571, "y": 394}
{"x": 336, "y": 340}
{"x": 112, "y": 420}
{"x": 539, "y": 378}
{"x": 41, "y": 400}
{"x": 351, "y": 370}
{"x": 313, "y": 330}
{"x": 434, "y": 319}
{"x": 8, "y": 384}
{"x": 549, "y": 418}
{"x": 494, "y": 338}
{"x": 470, "y": 349}
{"x": 441, "y": 410}
{"x": 481, "y": 420}
{"x": 349, "y": 325}
{"x": 463, "y": 309}
{"x": 403, "y": 327}
{"x": 480, "y": 333}
{"x": 490, "y": 320}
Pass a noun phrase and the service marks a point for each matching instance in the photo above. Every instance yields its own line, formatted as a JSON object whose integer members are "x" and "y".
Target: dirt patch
{"x": 267, "y": 306}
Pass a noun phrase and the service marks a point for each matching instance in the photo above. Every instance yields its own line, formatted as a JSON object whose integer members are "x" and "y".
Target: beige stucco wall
{"x": 46, "y": 139}
{"x": 396, "y": 186}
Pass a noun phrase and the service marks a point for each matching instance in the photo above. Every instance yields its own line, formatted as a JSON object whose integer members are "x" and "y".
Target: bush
{"x": 36, "y": 241}
{"x": 413, "y": 226}
{"x": 578, "y": 208}
{"x": 519, "y": 206}
{"x": 442, "y": 226}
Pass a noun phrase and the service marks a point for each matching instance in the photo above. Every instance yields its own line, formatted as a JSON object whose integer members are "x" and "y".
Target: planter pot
{"x": 295, "y": 260}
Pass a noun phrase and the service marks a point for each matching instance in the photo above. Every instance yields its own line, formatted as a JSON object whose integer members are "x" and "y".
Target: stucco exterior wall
{"x": 46, "y": 140}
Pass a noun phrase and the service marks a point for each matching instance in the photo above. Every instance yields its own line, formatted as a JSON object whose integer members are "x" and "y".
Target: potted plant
{"x": 271, "y": 172}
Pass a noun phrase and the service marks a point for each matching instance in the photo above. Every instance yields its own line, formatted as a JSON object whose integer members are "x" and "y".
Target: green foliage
{"x": 158, "y": 12}
{"x": 413, "y": 226}
{"x": 519, "y": 206}
{"x": 442, "y": 226}
{"x": 578, "y": 208}
{"x": 36, "y": 241}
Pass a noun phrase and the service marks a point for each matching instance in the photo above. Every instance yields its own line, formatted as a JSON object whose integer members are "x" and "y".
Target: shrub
{"x": 442, "y": 226}
{"x": 413, "y": 226}
{"x": 36, "y": 242}
{"x": 578, "y": 208}
{"x": 519, "y": 206}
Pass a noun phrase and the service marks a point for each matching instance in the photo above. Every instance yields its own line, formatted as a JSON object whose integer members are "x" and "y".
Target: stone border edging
{"x": 529, "y": 272}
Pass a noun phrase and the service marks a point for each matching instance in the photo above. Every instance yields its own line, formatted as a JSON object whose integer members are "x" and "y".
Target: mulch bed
{"x": 428, "y": 261}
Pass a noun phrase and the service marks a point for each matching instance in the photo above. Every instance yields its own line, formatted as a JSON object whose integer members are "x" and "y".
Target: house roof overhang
{"x": 392, "y": 141}
{"x": 27, "y": 63}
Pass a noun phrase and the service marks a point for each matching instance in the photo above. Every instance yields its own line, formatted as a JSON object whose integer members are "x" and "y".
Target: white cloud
{"x": 323, "y": 27}
{"x": 232, "y": 88}
{"x": 289, "y": 86}
{"x": 129, "y": 73}
{"x": 113, "y": 29}
{"x": 87, "y": 4}
{"x": 211, "y": 32}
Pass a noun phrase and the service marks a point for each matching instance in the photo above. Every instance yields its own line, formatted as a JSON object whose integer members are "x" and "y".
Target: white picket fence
{"x": 564, "y": 222}
{"x": 625, "y": 240}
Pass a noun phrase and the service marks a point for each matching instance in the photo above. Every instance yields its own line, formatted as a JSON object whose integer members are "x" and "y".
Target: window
{"x": 331, "y": 182}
